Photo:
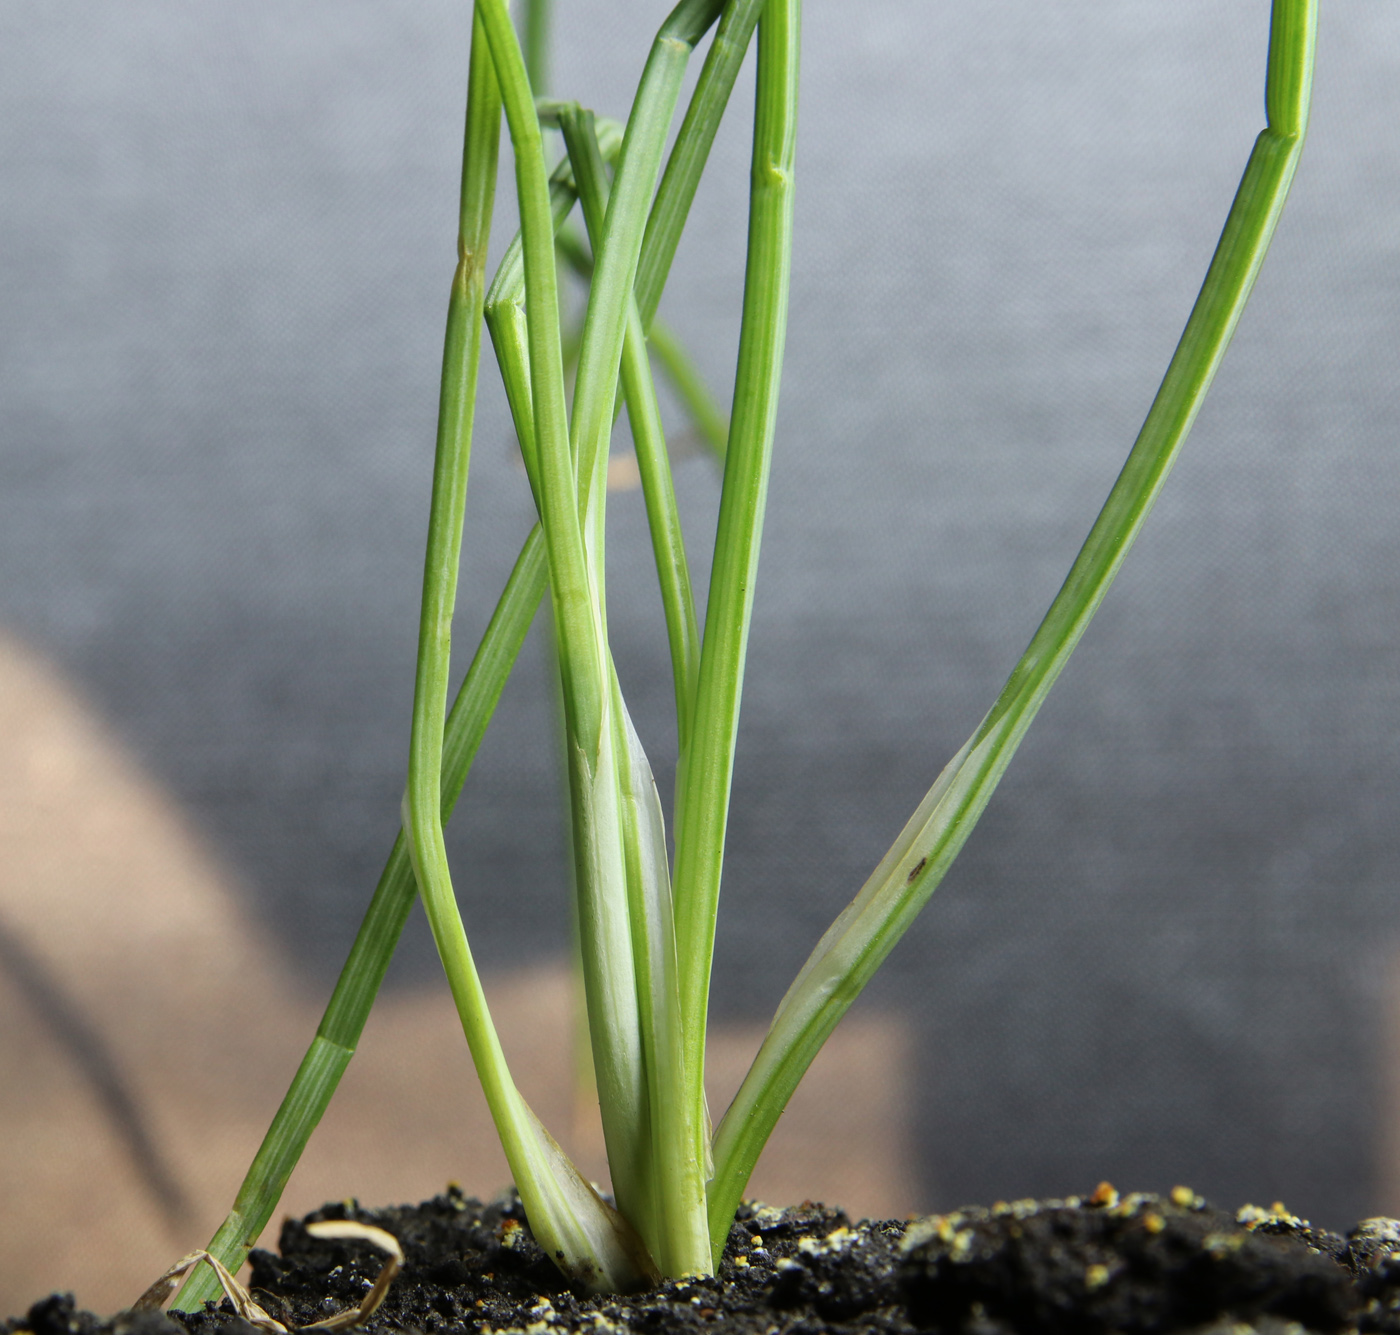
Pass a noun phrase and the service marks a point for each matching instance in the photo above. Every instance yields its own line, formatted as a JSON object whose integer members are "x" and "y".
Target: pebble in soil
{"x": 1136, "y": 1264}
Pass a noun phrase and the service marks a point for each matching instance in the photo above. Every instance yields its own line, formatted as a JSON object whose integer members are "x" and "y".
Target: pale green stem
{"x": 653, "y": 462}
{"x": 867, "y": 930}
{"x": 676, "y": 1220}
{"x": 591, "y": 1242}
{"x": 664, "y": 521}
{"x": 604, "y": 928}
{"x": 706, "y": 414}
{"x": 691, "y": 151}
{"x": 703, "y": 783}
{"x": 536, "y": 20}
{"x": 608, "y": 948}
{"x": 422, "y": 799}
{"x": 340, "y": 1028}
{"x": 344, "y": 1020}
{"x": 360, "y": 978}
{"x": 617, "y": 250}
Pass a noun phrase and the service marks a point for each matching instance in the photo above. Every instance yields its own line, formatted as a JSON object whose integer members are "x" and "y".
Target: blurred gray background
{"x": 226, "y": 235}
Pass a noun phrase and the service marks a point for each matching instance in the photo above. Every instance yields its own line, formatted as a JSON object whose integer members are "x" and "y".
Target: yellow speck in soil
{"x": 1153, "y": 1223}
{"x": 1184, "y": 1197}
{"x": 1104, "y": 1194}
{"x": 1222, "y": 1244}
{"x": 1095, "y": 1277}
{"x": 833, "y": 1242}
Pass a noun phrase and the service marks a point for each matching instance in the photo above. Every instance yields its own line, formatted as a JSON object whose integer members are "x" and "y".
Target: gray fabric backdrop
{"x": 225, "y": 240}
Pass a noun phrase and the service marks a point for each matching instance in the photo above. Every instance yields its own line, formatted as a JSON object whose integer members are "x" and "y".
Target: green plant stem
{"x": 703, "y": 782}
{"x": 363, "y": 972}
{"x": 344, "y": 1020}
{"x": 604, "y": 927}
{"x": 653, "y": 462}
{"x": 623, "y": 900}
{"x": 617, "y": 251}
{"x": 505, "y": 305}
{"x": 589, "y": 1240}
{"x": 578, "y": 635}
{"x": 664, "y": 522}
{"x": 536, "y": 21}
{"x": 867, "y": 930}
{"x": 619, "y": 979}
{"x": 676, "y": 1223}
{"x": 359, "y": 982}
{"x": 674, "y": 195}
{"x": 704, "y": 412}
{"x": 691, "y": 151}
{"x": 422, "y": 806}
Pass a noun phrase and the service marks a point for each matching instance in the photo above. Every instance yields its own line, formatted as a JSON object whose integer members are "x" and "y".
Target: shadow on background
{"x": 148, "y": 1032}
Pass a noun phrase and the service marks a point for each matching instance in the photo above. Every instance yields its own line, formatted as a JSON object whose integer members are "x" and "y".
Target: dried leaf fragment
{"x": 161, "y": 1291}
{"x": 376, "y": 1237}
{"x": 242, "y": 1301}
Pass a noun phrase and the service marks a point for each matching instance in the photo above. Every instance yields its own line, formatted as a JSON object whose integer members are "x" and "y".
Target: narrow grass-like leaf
{"x": 363, "y": 972}
{"x": 341, "y": 1025}
{"x": 867, "y": 930}
{"x": 609, "y": 954}
{"x": 703, "y": 783}
{"x": 579, "y": 636}
{"x": 505, "y": 304}
{"x": 706, "y": 414}
{"x": 682, "y": 1236}
{"x": 674, "y": 1220}
{"x": 535, "y": 24}
{"x": 691, "y": 151}
{"x": 653, "y": 462}
{"x": 664, "y": 522}
{"x": 585, "y": 1236}
{"x": 604, "y": 929}
{"x": 360, "y": 978}
{"x": 358, "y": 985}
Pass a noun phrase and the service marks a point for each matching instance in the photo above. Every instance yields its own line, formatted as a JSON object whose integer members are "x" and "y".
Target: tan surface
{"x": 112, "y": 912}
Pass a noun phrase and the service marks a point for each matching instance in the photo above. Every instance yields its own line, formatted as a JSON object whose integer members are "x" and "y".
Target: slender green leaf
{"x": 664, "y": 522}
{"x": 867, "y": 930}
{"x": 706, "y": 414}
{"x": 505, "y": 303}
{"x": 536, "y": 21}
{"x": 674, "y": 1219}
{"x": 360, "y": 978}
{"x": 663, "y": 514}
{"x": 603, "y": 923}
{"x": 587, "y": 1237}
{"x": 619, "y": 1043}
{"x": 617, "y": 251}
{"x": 703, "y": 783}
{"x": 682, "y": 1244}
{"x": 691, "y": 151}
{"x": 700, "y": 405}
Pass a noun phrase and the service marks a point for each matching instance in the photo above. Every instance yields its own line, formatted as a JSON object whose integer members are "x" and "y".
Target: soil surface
{"x": 1127, "y": 1265}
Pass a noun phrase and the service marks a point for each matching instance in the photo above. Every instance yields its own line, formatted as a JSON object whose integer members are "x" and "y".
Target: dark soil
{"x": 1101, "y": 1265}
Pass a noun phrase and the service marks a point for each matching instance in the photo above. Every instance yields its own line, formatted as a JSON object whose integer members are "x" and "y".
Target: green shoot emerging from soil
{"x": 646, "y": 928}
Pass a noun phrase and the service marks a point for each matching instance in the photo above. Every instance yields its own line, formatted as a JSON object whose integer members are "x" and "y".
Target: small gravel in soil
{"x": 1105, "y": 1264}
